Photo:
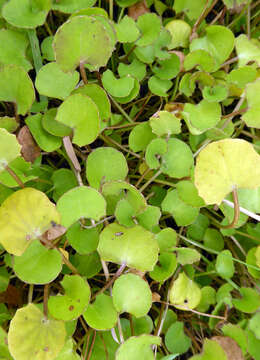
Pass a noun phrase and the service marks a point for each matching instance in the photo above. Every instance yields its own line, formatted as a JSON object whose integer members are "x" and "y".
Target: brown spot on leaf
{"x": 230, "y": 347}
{"x": 71, "y": 308}
{"x": 46, "y": 349}
{"x": 138, "y": 9}
{"x": 156, "y": 297}
{"x": 54, "y": 232}
{"x": 30, "y": 150}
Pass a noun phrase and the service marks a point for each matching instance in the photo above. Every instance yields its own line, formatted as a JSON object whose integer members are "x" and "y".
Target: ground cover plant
{"x": 129, "y": 179}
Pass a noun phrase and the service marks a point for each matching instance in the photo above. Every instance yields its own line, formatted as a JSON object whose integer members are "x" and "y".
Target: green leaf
{"x": 140, "y": 137}
{"x": 47, "y": 49}
{"x": 224, "y": 264}
{"x": 81, "y": 202}
{"x": 84, "y": 241}
{"x": 8, "y": 123}
{"x": 154, "y": 152}
{"x": 9, "y": 148}
{"x": 185, "y": 293}
{"x": 182, "y": 213}
{"x": 254, "y": 325}
{"x": 52, "y": 126}
{"x": 168, "y": 69}
{"x": 67, "y": 353}
{"x": 213, "y": 180}
{"x": 247, "y": 50}
{"x": 127, "y": 30}
{"x": 71, "y": 305}
{"x": 158, "y": 86}
{"x": 46, "y": 141}
{"x": 200, "y": 59}
{"x": 100, "y": 98}
{"x": 26, "y": 13}
{"x": 5, "y": 354}
{"x": 167, "y": 239}
{"x": 21, "y": 168}
{"x": 13, "y": 46}
{"x": 178, "y": 159}
{"x": 187, "y": 256}
{"x": 202, "y": 116}
{"x": 136, "y": 347}
{"x": 136, "y": 69}
{"x": 197, "y": 229}
{"x": 117, "y": 87}
{"x": 176, "y": 340}
{"x": 180, "y": 32}
{"x": 215, "y": 93}
{"x": 253, "y": 258}
{"x": 101, "y": 314}
{"x": 4, "y": 279}
{"x": 126, "y": 295}
{"x": 208, "y": 297}
{"x": 164, "y": 269}
{"x": 38, "y": 265}
{"x": 63, "y": 180}
{"x": 133, "y": 93}
{"x": 211, "y": 351}
{"x": 31, "y": 333}
{"x": 165, "y": 123}
{"x": 18, "y": 228}
{"x": 213, "y": 43}
{"x": 189, "y": 7}
{"x": 213, "y": 239}
{"x": 250, "y": 301}
{"x": 71, "y": 6}
{"x": 51, "y": 81}
{"x": 236, "y": 333}
{"x": 82, "y": 40}
{"x": 251, "y": 117}
{"x": 240, "y": 77}
{"x": 189, "y": 194}
{"x": 17, "y": 87}
{"x": 105, "y": 164}
{"x": 150, "y": 26}
{"x": 150, "y": 217}
{"x": 81, "y": 114}
{"x": 134, "y": 246}
{"x": 87, "y": 265}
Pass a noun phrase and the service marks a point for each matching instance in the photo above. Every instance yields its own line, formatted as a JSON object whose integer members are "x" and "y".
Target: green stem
{"x": 121, "y": 110}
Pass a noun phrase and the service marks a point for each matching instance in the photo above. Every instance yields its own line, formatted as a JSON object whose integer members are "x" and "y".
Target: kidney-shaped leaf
{"x": 70, "y": 6}
{"x": 138, "y": 348}
{"x": 51, "y": 81}
{"x": 132, "y": 294}
{"x": 220, "y": 168}
{"x": 101, "y": 314}
{"x": 26, "y": 13}
{"x": 9, "y": 148}
{"x": 80, "y": 113}
{"x": 38, "y": 265}
{"x": 31, "y": 334}
{"x": 17, "y": 87}
{"x": 105, "y": 164}
{"x": 24, "y": 216}
{"x": 135, "y": 246}
{"x": 71, "y": 305}
{"x": 81, "y": 202}
{"x": 82, "y": 39}
{"x": 247, "y": 50}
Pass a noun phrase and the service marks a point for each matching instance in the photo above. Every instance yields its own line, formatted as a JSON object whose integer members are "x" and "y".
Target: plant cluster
{"x": 129, "y": 179}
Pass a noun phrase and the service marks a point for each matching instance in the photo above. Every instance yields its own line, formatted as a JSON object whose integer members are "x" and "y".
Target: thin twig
{"x": 243, "y": 210}
{"x": 14, "y": 176}
{"x": 108, "y": 139}
{"x": 236, "y": 211}
{"x": 73, "y": 158}
{"x": 83, "y": 72}
{"x": 158, "y": 173}
{"x": 92, "y": 345}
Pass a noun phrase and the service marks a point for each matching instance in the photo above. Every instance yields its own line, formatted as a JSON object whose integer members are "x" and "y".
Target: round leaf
{"x": 52, "y": 126}
{"x": 71, "y": 305}
{"x": 165, "y": 123}
{"x": 180, "y": 33}
{"x": 163, "y": 270}
{"x": 176, "y": 340}
{"x": 38, "y": 265}
{"x": 117, "y": 87}
{"x": 150, "y": 26}
{"x": 225, "y": 265}
{"x": 250, "y": 301}
{"x": 26, "y": 14}
{"x": 132, "y": 294}
{"x": 51, "y": 81}
{"x": 81, "y": 114}
{"x": 220, "y": 168}
{"x": 105, "y": 164}
{"x": 18, "y": 228}
{"x": 140, "y": 137}
{"x": 138, "y": 347}
{"x": 31, "y": 333}
{"x": 84, "y": 241}
{"x": 247, "y": 50}
{"x": 81, "y": 202}
{"x": 101, "y": 314}
{"x": 168, "y": 69}
{"x": 158, "y": 86}
{"x": 134, "y": 246}
{"x": 185, "y": 293}
{"x": 127, "y": 30}
{"x": 82, "y": 39}
{"x": 71, "y": 6}
{"x": 17, "y": 87}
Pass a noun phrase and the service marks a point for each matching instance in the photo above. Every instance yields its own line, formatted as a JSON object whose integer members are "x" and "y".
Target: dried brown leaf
{"x": 138, "y": 9}
{"x": 30, "y": 150}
